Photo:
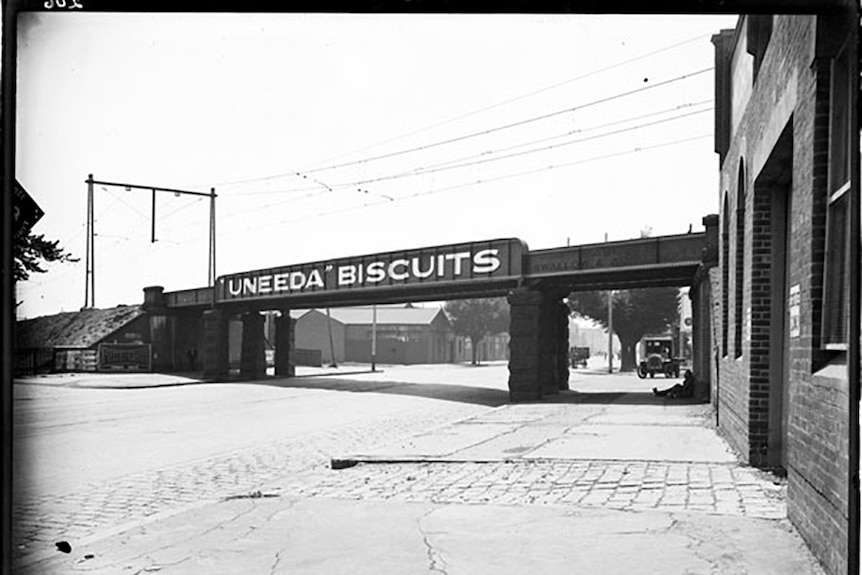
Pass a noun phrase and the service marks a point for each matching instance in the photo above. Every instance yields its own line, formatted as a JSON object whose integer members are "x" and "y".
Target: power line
{"x": 524, "y": 96}
{"x": 479, "y": 133}
{"x": 478, "y": 182}
{"x": 579, "y": 131}
{"x": 423, "y": 172}
{"x": 635, "y": 150}
{"x": 446, "y": 165}
{"x": 432, "y": 168}
{"x": 515, "y": 124}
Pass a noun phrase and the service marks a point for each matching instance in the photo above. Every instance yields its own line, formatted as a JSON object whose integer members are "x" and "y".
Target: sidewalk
{"x": 638, "y": 427}
{"x": 606, "y": 483}
{"x": 110, "y": 380}
{"x": 282, "y": 535}
{"x": 132, "y": 380}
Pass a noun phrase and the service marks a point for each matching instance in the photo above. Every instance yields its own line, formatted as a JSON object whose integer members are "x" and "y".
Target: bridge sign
{"x": 491, "y": 260}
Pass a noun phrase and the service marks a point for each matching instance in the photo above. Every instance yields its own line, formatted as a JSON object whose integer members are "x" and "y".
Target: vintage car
{"x": 658, "y": 358}
{"x": 579, "y": 356}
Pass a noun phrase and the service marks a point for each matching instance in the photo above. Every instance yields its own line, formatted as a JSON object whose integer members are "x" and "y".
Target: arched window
{"x": 739, "y": 281}
{"x": 725, "y": 273}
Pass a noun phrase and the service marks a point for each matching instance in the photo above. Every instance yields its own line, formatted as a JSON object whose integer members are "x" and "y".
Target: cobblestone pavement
{"x": 700, "y": 487}
{"x": 106, "y": 508}
{"x": 299, "y": 467}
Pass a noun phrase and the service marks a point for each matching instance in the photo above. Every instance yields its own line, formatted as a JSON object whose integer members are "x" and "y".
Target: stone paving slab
{"x": 440, "y": 443}
{"x": 566, "y": 432}
{"x": 325, "y": 536}
{"x": 694, "y": 415}
{"x": 535, "y": 413}
{"x": 518, "y": 443}
{"x": 637, "y": 442}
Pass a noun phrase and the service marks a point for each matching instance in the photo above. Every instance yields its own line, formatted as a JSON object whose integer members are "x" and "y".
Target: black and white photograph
{"x": 408, "y": 290}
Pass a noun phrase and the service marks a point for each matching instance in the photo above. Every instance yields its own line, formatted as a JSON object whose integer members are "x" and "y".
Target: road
{"x": 91, "y": 455}
{"x": 109, "y": 462}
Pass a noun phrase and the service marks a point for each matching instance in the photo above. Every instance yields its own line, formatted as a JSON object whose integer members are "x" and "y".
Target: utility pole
{"x": 610, "y": 326}
{"x": 211, "y": 273}
{"x": 332, "y": 362}
{"x": 374, "y": 337}
{"x": 90, "y": 274}
{"x": 610, "y": 331}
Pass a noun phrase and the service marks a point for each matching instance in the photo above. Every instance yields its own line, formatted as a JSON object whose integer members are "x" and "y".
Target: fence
{"x": 34, "y": 360}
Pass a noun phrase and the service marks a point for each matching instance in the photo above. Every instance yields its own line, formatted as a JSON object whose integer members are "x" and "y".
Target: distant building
{"x": 117, "y": 338}
{"x": 405, "y": 335}
{"x": 587, "y": 333}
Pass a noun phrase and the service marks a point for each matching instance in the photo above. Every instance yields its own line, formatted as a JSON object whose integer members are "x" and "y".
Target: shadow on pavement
{"x": 617, "y": 398}
{"x": 458, "y": 393}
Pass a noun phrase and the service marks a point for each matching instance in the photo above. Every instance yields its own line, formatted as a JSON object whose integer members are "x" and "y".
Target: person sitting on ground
{"x": 686, "y": 389}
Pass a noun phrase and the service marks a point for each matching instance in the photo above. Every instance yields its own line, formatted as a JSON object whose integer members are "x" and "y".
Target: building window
{"x": 739, "y": 280}
{"x": 836, "y": 292}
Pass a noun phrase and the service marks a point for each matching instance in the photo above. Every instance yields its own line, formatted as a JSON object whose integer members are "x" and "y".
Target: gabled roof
{"x": 386, "y": 315}
{"x": 78, "y": 329}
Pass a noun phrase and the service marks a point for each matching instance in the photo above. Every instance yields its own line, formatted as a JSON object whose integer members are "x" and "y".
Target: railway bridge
{"x": 534, "y": 282}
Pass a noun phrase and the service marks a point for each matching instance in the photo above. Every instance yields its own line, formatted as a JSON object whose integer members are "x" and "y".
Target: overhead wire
{"x": 472, "y": 113}
{"x": 522, "y": 96}
{"x": 477, "y": 182}
{"x": 428, "y": 169}
{"x": 519, "y": 123}
{"x": 448, "y": 165}
{"x": 423, "y": 172}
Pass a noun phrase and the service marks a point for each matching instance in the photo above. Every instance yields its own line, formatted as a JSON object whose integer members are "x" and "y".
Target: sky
{"x": 332, "y": 135}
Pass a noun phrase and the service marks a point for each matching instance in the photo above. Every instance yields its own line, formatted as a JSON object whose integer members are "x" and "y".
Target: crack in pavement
{"x": 174, "y": 544}
{"x": 158, "y": 566}
{"x": 435, "y": 557}
{"x": 717, "y": 564}
{"x": 277, "y": 561}
{"x": 268, "y": 519}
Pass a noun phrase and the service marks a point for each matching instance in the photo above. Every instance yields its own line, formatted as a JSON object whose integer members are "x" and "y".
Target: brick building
{"x": 783, "y": 355}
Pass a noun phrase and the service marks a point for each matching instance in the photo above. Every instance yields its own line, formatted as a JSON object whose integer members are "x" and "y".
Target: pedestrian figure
{"x": 684, "y": 390}
{"x": 193, "y": 357}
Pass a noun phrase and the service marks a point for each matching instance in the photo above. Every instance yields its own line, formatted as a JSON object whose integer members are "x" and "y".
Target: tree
{"x": 636, "y": 314}
{"x": 476, "y": 318}
{"x": 31, "y": 251}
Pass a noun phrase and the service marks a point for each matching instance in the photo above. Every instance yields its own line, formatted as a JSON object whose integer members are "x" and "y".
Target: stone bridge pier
{"x": 538, "y": 344}
{"x": 252, "y": 364}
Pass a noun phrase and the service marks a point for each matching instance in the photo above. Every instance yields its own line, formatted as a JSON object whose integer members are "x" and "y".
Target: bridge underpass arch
{"x": 539, "y": 336}
{"x": 534, "y": 283}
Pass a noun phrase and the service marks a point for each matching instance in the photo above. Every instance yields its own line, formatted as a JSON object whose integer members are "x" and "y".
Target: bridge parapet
{"x": 189, "y": 298}
{"x": 665, "y": 260}
{"x": 646, "y": 251}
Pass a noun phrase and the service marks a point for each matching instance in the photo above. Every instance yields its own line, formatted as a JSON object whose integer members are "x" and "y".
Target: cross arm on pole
{"x": 152, "y": 188}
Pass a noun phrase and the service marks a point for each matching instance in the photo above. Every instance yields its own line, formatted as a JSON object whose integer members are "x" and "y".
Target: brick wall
{"x": 791, "y": 92}
{"x": 715, "y": 283}
{"x": 819, "y": 462}
{"x": 760, "y": 290}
